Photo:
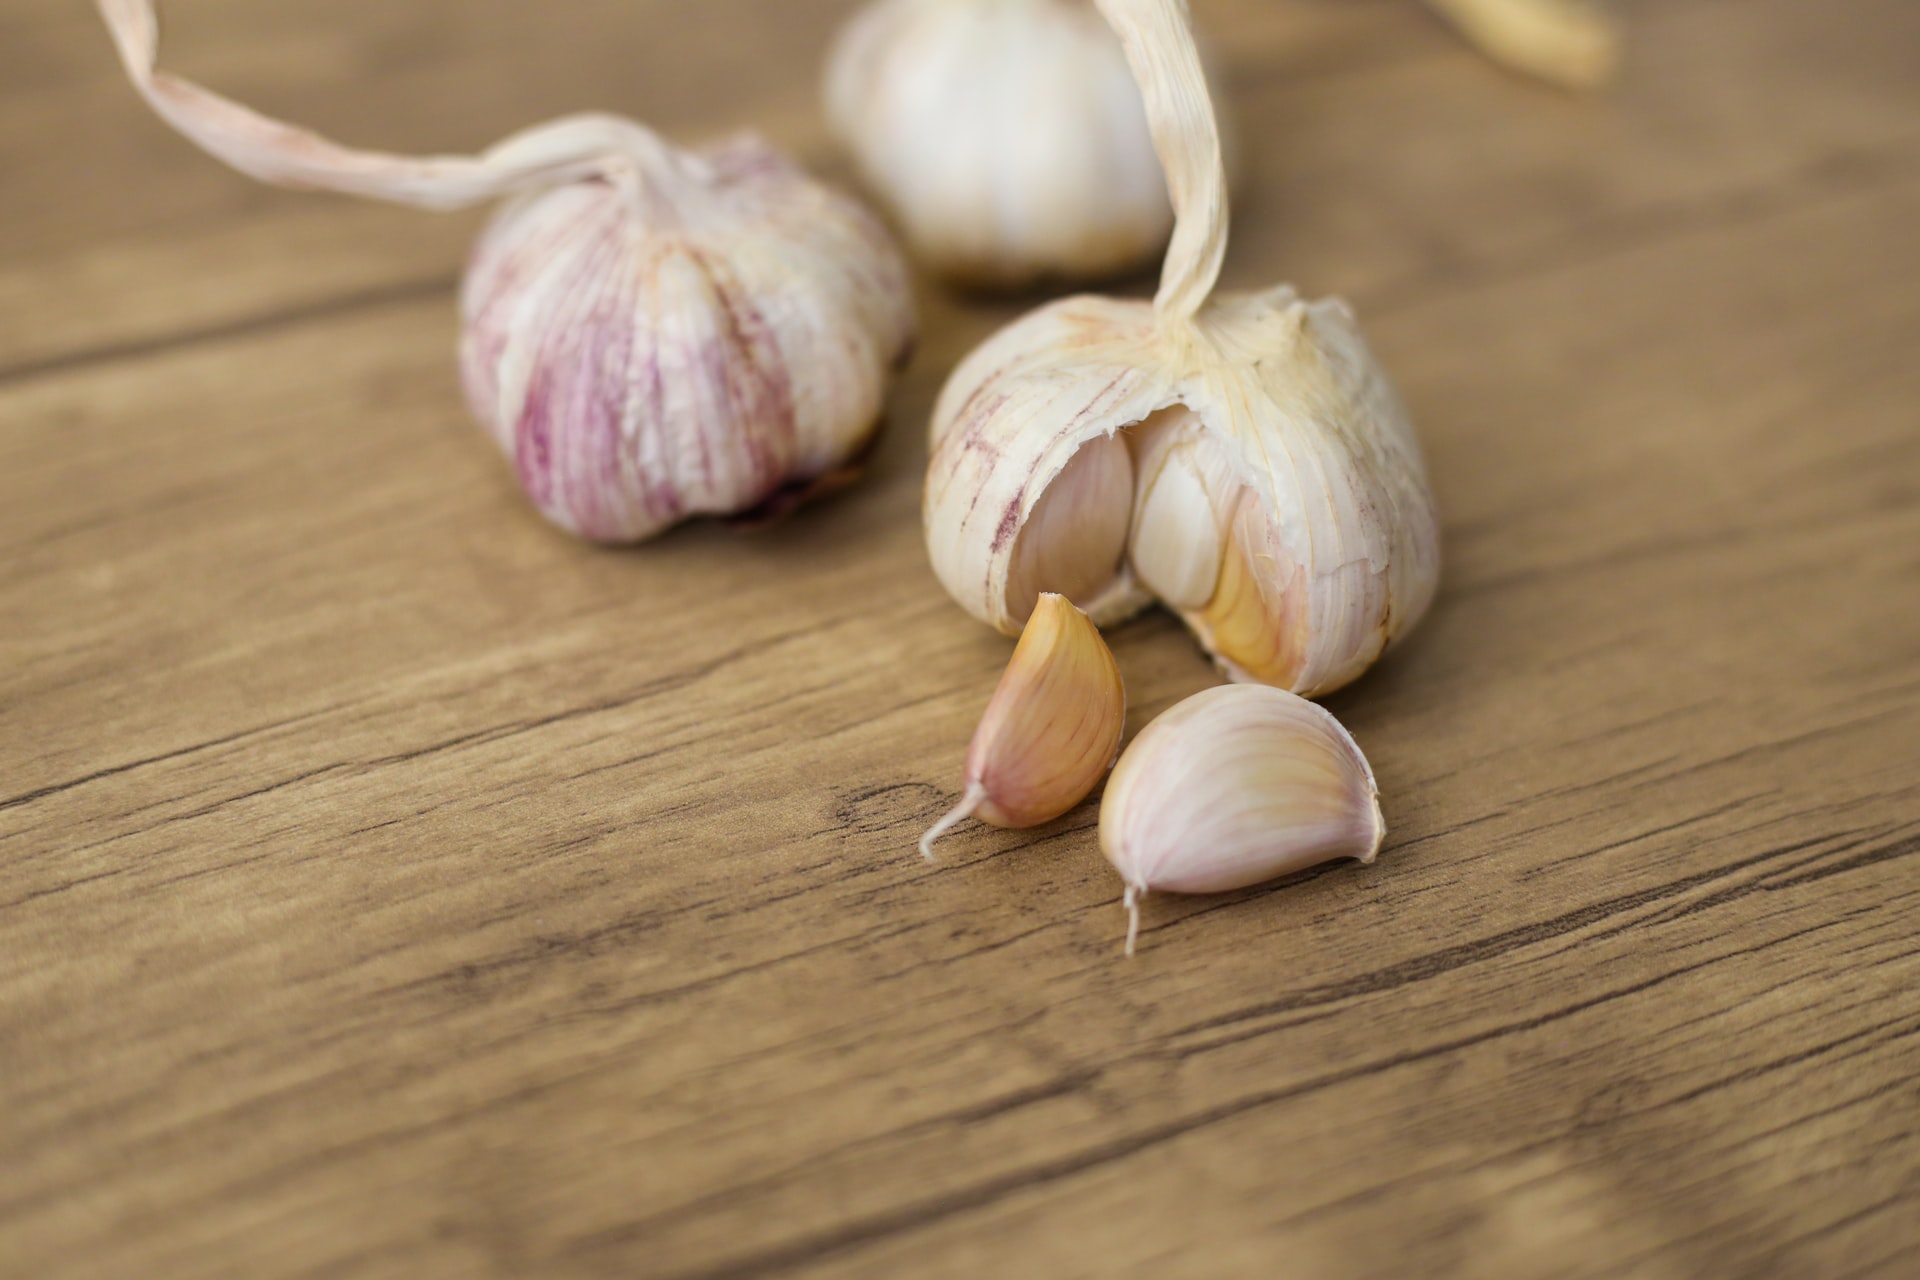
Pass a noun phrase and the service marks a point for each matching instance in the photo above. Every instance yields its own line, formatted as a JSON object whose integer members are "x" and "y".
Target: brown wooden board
{"x": 392, "y": 886}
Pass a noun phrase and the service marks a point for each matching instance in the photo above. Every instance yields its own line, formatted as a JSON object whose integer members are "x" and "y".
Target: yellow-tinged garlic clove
{"x": 1575, "y": 43}
{"x": 1255, "y": 625}
{"x": 1187, "y": 490}
{"x": 1234, "y": 786}
{"x": 1073, "y": 541}
{"x": 1007, "y": 137}
{"x": 650, "y": 333}
{"x": 1051, "y": 730}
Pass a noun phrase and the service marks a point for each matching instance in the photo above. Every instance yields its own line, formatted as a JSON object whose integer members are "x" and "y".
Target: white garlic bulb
{"x": 650, "y": 333}
{"x": 1007, "y": 136}
{"x": 1281, "y": 506}
{"x": 1234, "y": 786}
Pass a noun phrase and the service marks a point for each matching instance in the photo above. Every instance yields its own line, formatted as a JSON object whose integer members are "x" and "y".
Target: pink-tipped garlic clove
{"x": 1232, "y": 787}
{"x": 1074, "y": 538}
{"x": 1051, "y": 730}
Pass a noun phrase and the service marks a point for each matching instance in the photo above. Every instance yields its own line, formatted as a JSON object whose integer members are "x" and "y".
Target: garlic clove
{"x": 1074, "y": 538}
{"x": 1254, "y": 624}
{"x": 1186, "y": 494}
{"x": 1234, "y": 786}
{"x": 1050, "y": 731}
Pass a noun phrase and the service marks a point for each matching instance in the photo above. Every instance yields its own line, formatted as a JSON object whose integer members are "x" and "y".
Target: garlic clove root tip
{"x": 969, "y": 802}
{"x": 1131, "y": 901}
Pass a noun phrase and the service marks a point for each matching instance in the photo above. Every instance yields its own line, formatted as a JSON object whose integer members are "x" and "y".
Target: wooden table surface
{"x": 391, "y": 886}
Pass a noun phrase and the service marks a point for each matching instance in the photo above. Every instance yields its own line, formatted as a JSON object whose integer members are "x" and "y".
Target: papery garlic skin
{"x": 1235, "y": 786}
{"x": 1007, "y": 137}
{"x": 643, "y": 358}
{"x": 1051, "y": 730}
{"x": 650, "y": 332}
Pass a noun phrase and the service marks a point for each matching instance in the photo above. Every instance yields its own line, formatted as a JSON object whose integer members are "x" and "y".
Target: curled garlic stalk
{"x": 649, "y": 333}
{"x": 1277, "y": 502}
{"x": 1007, "y": 137}
{"x": 1234, "y": 786}
{"x": 1050, "y": 731}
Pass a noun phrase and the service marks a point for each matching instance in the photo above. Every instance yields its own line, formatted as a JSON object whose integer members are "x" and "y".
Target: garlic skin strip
{"x": 565, "y": 150}
{"x": 649, "y": 333}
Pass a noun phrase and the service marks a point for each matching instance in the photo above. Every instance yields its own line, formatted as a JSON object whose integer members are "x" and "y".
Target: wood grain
{"x": 390, "y": 886}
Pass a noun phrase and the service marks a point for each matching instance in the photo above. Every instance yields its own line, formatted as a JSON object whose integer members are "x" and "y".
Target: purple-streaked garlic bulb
{"x": 650, "y": 333}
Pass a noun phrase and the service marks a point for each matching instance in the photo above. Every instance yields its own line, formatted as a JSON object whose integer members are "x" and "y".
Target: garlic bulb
{"x": 1050, "y": 731}
{"x": 650, "y": 333}
{"x": 1007, "y": 136}
{"x": 1234, "y": 786}
{"x": 1280, "y": 505}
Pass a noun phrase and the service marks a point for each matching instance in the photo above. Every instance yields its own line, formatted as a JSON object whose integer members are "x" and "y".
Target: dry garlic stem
{"x": 1051, "y": 729}
{"x": 649, "y": 333}
{"x": 1234, "y": 786}
{"x": 1006, "y": 136}
{"x": 1569, "y": 42}
{"x": 1280, "y": 504}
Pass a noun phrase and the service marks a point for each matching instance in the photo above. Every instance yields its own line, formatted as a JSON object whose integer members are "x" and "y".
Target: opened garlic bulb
{"x": 1007, "y": 136}
{"x": 1051, "y": 730}
{"x": 1234, "y": 786}
{"x": 1279, "y": 503}
{"x": 650, "y": 333}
